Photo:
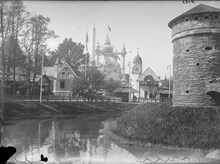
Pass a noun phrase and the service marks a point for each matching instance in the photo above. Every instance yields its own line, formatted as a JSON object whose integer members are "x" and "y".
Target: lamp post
{"x": 169, "y": 78}
{"x": 129, "y": 81}
{"x": 41, "y": 81}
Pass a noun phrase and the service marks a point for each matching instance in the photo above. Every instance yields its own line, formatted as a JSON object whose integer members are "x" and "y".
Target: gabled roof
{"x": 148, "y": 71}
{"x": 68, "y": 65}
{"x": 124, "y": 88}
{"x": 201, "y": 8}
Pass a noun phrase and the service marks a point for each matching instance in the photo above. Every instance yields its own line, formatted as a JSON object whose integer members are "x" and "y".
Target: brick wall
{"x": 196, "y": 59}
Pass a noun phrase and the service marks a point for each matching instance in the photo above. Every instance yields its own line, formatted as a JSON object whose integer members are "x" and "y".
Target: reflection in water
{"x": 78, "y": 140}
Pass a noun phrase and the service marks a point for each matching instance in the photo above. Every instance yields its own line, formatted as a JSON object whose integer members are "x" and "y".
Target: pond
{"x": 79, "y": 139}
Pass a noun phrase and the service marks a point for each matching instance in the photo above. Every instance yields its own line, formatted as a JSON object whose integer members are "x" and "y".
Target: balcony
{"x": 148, "y": 83}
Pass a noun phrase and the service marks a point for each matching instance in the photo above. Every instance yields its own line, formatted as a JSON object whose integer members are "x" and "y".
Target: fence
{"x": 34, "y": 98}
{"x": 59, "y": 98}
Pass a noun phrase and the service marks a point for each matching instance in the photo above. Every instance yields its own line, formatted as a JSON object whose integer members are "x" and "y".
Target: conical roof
{"x": 201, "y": 8}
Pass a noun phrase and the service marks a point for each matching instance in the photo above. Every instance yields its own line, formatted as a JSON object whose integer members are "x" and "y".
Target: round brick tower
{"x": 196, "y": 60}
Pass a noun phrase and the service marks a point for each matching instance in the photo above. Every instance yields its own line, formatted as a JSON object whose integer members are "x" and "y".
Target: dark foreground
{"x": 179, "y": 127}
{"x": 80, "y": 139}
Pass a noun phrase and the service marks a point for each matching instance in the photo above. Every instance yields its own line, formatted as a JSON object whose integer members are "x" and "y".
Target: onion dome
{"x": 107, "y": 46}
{"x": 137, "y": 59}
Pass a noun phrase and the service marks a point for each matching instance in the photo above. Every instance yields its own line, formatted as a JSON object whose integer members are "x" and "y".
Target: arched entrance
{"x": 213, "y": 90}
{"x": 216, "y": 96}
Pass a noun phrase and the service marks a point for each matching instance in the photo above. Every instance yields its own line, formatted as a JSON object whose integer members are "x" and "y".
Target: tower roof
{"x": 137, "y": 59}
{"x": 201, "y": 8}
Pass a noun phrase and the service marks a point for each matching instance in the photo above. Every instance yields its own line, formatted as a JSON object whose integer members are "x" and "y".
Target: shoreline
{"x": 164, "y": 126}
{"x": 125, "y": 141}
{"x": 29, "y": 110}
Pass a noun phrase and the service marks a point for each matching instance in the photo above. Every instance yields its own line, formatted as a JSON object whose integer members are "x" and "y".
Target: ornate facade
{"x": 107, "y": 60}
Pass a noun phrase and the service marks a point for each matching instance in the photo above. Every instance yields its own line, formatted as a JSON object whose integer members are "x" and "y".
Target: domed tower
{"x": 136, "y": 72}
{"x": 196, "y": 60}
{"x": 107, "y": 48}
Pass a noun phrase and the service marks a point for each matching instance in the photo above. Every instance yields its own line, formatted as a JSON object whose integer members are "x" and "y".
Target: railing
{"x": 14, "y": 98}
{"x": 149, "y": 83}
{"x": 155, "y": 100}
{"x": 58, "y": 98}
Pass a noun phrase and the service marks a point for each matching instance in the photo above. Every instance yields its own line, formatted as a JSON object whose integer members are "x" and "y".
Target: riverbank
{"x": 35, "y": 109}
{"x": 170, "y": 127}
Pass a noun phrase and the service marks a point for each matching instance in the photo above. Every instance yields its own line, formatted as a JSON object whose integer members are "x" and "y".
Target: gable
{"x": 49, "y": 71}
{"x": 148, "y": 71}
{"x": 67, "y": 71}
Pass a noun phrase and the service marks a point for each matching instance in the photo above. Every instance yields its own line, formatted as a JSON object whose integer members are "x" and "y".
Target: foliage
{"x": 71, "y": 52}
{"x": 92, "y": 82}
{"x": 22, "y": 40}
{"x": 110, "y": 85}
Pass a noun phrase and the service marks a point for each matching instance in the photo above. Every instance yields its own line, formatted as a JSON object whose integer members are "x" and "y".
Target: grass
{"x": 162, "y": 124}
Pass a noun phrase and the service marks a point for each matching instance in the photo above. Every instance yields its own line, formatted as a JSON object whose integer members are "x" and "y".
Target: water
{"x": 79, "y": 139}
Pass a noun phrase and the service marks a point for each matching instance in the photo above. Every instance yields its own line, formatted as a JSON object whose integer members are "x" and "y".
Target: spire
{"x": 138, "y": 52}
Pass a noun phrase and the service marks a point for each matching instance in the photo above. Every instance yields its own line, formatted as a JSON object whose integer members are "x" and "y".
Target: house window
{"x": 63, "y": 74}
{"x": 62, "y": 84}
{"x": 69, "y": 74}
{"x": 206, "y": 16}
{"x": 196, "y": 18}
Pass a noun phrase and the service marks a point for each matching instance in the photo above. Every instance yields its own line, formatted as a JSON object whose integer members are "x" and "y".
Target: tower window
{"x": 187, "y": 50}
{"x": 208, "y": 48}
{"x": 187, "y": 91}
{"x": 197, "y": 64}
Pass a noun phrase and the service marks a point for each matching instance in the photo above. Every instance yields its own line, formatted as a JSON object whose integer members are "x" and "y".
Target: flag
{"x": 87, "y": 39}
{"x": 109, "y": 28}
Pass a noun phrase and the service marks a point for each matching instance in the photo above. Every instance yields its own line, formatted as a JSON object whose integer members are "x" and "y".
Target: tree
{"x": 89, "y": 85}
{"x": 110, "y": 85}
{"x": 41, "y": 34}
{"x": 72, "y": 52}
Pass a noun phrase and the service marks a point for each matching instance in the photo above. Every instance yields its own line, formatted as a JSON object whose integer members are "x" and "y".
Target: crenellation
{"x": 201, "y": 21}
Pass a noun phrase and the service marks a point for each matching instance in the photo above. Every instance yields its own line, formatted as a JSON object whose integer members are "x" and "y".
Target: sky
{"x": 139, "y": 25}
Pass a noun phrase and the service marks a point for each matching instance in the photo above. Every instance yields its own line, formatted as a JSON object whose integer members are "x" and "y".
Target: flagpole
{"x": 86, "y": 53}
